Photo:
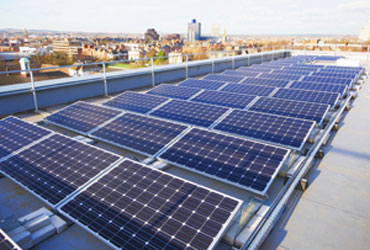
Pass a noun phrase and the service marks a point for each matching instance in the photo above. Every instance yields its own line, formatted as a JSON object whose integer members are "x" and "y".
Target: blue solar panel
{"x": 255, "y": 69}
{"x": 280, "y": 76}
{"x": 190, "y": 112}
{"x": 335, "y": 75}
{"x": 266, "y": 82}
{"x": 16, "y": 134}
{"x": 225, "y": 99}
{"x": 244, "y": 73}
{"x": 224, "y": 78}
{"x": 56, "y": 167}
{"x": 137, "y": 207}
{"x": 201, "y": 84}
{"x": 82, "y": 117}
{"x": 6, "y": 243}
{"x": 335, "y": 88}
{"x": 248, "y": 89}
{"x": 327, "y": 80}
{"x": 266, "y": 66}
{"x": 304, "y": 110}
{"x": 136, "y": 102}
{"x": 286, "y": 131}
{"x": 308, "y": 96}
{"x": 139, "y": 133}
{"x": 246, "y": 164}
{"x": 174, "y": 91}
{"x": 293, "y": 72}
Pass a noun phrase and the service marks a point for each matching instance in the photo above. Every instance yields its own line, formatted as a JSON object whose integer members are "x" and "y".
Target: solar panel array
{"x": 138, "y": 207}
{"x": 335, "y": 88}
{"x": 173, "y": 91}
{"x": 241, "y": 73}
{"x": 224, "y": 78}
{"x": 56, "y": 167}
{"x": 248, "y": 89}
{"x": 16, "y": 134}
{"x": 328, "y": 80}
{"x": 240, "y": 162}
{"x": 89, "y": 117}
{"x": 226, "y": 99}
{"x": 6, "y": 243}
{"x": 193, "y": 113}
{"x": 136, "y": 102}
{"x": 286, "y": 131}
{"x": 280, "y": 76}
{"x": 267, "y": 82}
{"x": 305, "y": 110}
{"x": 139, "y": 133}
{"x": 201, "y": 84}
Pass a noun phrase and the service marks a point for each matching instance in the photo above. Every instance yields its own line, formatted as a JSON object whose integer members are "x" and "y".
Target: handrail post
{"x": 368, "y": 51}
{"x": 261, "y": 55}
{"x": 273, "y": 53}
{"x": 233, "y": 60}
{"x": 249, "y": 55}
{"x": 187, "y": 65}
{"x": 33, "y": 88}
{"x": 105, "y": 80}
{"x": 153, "y": 80}
{"x": 213, "y": 64}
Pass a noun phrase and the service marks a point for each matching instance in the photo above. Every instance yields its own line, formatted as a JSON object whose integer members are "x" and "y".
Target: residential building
{"x": 151, "y": 35}
{"x": 364, "y": 35}
{"x": 72, "y": 48}
{"x": 175, "y": 57}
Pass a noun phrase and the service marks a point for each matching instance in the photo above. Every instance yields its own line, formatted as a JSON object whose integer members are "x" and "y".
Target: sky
{"x": 170, "y": 16}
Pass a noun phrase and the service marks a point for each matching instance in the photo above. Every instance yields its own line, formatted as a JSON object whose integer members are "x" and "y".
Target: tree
{"x": 161, "y": 58}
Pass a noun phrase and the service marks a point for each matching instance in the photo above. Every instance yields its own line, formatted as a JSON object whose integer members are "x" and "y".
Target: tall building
{"x": 364, "y": 35}
{"x": 72, "y": 48}
{"x": 194, "y": 31}
{"x": 151, "y": 35}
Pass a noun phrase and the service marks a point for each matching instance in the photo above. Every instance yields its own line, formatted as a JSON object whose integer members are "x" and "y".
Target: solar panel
{"x": 304, "y": 110}
{"x": 56, "y": 167}
{"x": 138, "y": 207}
{"x": 248, "y": 89}
{"x": 327, "y": 80}
{"x": 335, "y": 75}
{"x": 280, "y": 76}
{"x": 255, "y": 69}
{"x": 244, "y": 73}
{"x": 82, "y": 117}
{"x": 136, "y": 102}
{"x": 226, "y": 99}
{"x": 16, "y": 134}
{"x": 201, "y": 84}
{"x": 266, "y": 82}
{"x": 139, "y": 133}
{"x": 173, "y": 91}
{"x": 286, "y": 131}
{"x": 190, "y": 112}
{"x": 293, "y": 71}
{"x": 308, "y": 96}
{"x": 335, "y": 88}
{"x": 246, "y": 164}
{"x": 223, "y": 78}
{"x": 7, "y": 243}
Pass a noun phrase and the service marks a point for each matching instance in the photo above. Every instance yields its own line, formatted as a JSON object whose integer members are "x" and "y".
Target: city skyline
{"x": 239, "y": 17}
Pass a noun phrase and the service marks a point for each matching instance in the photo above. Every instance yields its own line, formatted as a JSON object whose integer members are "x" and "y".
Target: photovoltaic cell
{"x": 201, "y": 84}
{"x": 335, "y": 75}
{"x": 308, "y": 96}
{"x": 328, "y": 80}
{"x": 139, "y": 133}
{"x": 226, "y": 99}
{"x": 82, "y": 117}
{"x": 335, "y": 88}
{"x": 267, "y": 82}
{"x": 256, "y": 69}
{"x": 190, "y": 112}
{"x": 138, "y": 207}
{"x": 304, "y": 110}
{"x": 6, "y": 243}
{"x": 283, "y": 76}
{"x": 248, "y": 89}
{"x": 286, "y": 131}
{"x": 224, "y": 78}
{"x": 56, "y": 167}
{"x": 244, "y": 73}
{"x": 173, "y": 91}
{"x": 136, "y": 102}
{"x": 293, "y": 71}
{"x": 16, "y": 134}
{"x": 246, "y": 164}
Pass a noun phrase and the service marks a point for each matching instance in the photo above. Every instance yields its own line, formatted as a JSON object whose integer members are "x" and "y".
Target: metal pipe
{"x": 33, "y": 89}
{"x": 187, "y": 65}
{"x": 213, "y": 63}
{"x": 233, "y": 61}
{"x": 153, "y": 79}
{"x": 265, "y": 226}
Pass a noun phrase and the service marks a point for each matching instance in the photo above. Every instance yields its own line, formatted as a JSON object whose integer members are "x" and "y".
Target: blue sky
{"x": 238, "y": 16}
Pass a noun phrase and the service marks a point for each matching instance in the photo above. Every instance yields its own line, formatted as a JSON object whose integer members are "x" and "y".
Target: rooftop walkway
{"x": 334, "y": 212}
